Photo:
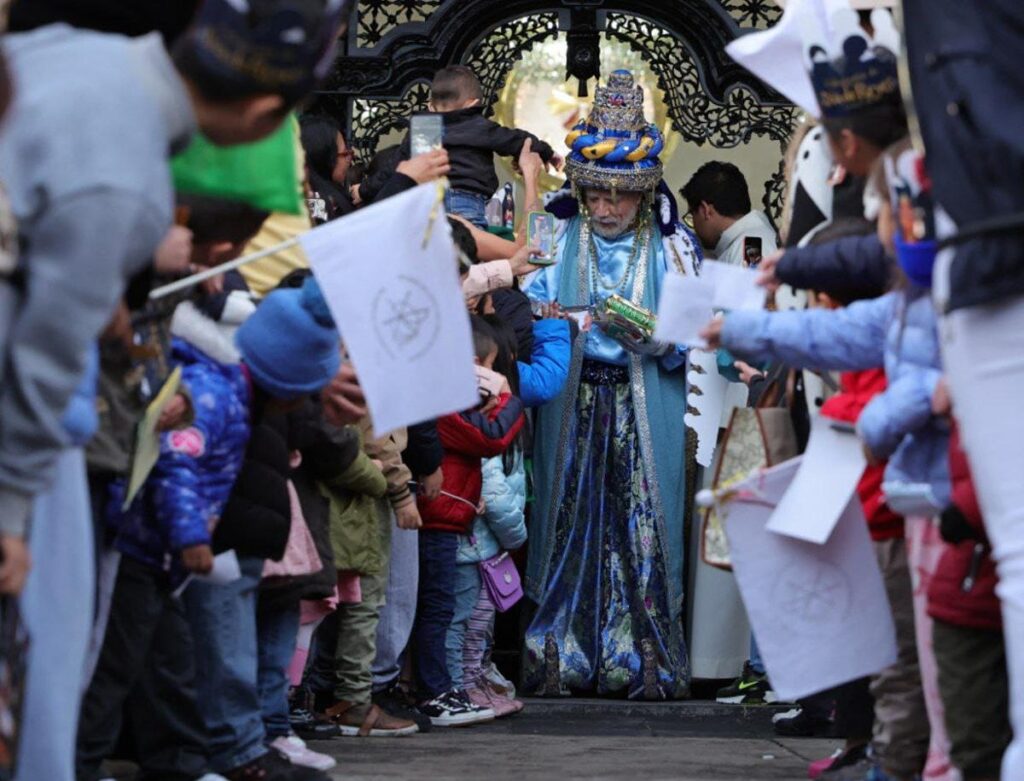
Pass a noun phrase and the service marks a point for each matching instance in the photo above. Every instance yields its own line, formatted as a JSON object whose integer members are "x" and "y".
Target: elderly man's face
{"x": 611, "y": 216}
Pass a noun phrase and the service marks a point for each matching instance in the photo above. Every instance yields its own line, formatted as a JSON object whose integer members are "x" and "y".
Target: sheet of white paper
{"x": 831, "y": 468}
{"x": 819, "y": 612}
{"x": 684, "y": 309}
{"x": 399, "y": 307}
{"x": 735, "y": 287}
{"x": 776, "y": 55}
{"x": 225, "y": 569}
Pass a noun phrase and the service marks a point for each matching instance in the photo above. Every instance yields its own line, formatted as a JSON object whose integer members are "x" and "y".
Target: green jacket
{"x": 358, "y": 518}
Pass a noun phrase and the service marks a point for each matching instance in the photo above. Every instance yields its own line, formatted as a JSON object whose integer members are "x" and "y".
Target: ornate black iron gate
{"x": 394, "y": 47}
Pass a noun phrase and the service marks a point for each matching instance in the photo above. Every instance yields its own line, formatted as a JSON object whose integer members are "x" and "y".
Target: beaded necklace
{"x": 638, "y": 250}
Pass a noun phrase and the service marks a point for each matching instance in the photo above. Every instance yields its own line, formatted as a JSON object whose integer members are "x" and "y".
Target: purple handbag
{"x": 502, "y": 581}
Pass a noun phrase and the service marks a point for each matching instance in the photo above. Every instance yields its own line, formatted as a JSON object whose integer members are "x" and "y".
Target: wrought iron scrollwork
{"x": 493, "y": 57}
{"x": 775, "y": 193}
{"x": 374, "y": 119}
{"x": 699, "y": 119}
{"x": 379, "y": 17}
{"x": 753, "y": 13}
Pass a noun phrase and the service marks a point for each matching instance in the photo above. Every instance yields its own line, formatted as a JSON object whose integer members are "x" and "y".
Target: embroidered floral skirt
{"x": 604, "y": 624}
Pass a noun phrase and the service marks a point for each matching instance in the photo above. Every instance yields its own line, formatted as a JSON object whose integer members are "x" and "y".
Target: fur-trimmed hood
{"x": 214, "y": 339}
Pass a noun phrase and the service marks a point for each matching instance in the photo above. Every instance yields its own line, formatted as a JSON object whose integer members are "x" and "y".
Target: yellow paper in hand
{"x": 147, "y": 439}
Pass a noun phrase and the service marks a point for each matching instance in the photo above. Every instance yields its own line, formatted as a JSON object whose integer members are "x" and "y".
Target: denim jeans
{"x": 467, "y": 592}
{"x": 756, "y": 663}
{"x": 277, "y": 632}
{"x": 436, "y": 607}
{"x": 57, "y": 608}
{"x": 469, "y": 206}
{"x": 399, "y": 610}
{"x": 223, "y": 620}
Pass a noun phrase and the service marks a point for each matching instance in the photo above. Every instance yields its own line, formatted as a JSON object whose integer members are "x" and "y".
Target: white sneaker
{"x": 295, "y": 751}
{"x": 454, "y": 709}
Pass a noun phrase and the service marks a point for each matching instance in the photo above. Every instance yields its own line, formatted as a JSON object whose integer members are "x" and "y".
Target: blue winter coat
{"x": 197, "y": 467}
{"x": 896, "y": 331}
{"x": 543, "y": 378}
{"x": 502, "y": 527}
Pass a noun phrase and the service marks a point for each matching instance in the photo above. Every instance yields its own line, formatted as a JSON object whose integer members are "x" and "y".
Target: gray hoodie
{"x": 83, "y": 155}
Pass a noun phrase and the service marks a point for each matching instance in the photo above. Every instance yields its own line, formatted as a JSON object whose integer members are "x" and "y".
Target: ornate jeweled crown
{"x": 615, "y": 148}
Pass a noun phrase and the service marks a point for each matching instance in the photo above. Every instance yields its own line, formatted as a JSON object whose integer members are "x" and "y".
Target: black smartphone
{"x": 753, "y": 250}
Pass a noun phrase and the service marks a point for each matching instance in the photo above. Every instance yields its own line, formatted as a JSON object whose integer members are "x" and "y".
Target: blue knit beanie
{"x": 290, "y": 343}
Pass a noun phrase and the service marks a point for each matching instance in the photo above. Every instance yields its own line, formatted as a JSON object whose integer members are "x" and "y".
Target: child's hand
{"x": 942, "y": 404}
{"x": 17, "y": 561}
{"x": 431, "y": 484}
{"x": 426, "y": 167}
{"x": 355, "y": 195}
{"x": 175, "y": 251}
{"x": 557, "y": 161}
{"x": 197, "y": 559}
{"x": 766, "y": 271}
{"x": 408, "y": 517}
{"x": 520, "y": 262}
{"x": 377, "y": 463}
{"x": 712, "y": 333}
{"x": 482, "y": 507}
{"x": 343, "y": 400}
{"x": 747, "y": 372}
{"x": 174, "y": 413}
{"x": 530, "y": 163}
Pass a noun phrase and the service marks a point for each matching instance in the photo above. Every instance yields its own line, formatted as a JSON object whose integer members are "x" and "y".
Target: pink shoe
{"x": 816, "y": 768}
{"x": 499, "y": 703}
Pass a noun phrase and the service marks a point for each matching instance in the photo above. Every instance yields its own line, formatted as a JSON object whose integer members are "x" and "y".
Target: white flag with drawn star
{"x": 393, "y": 287}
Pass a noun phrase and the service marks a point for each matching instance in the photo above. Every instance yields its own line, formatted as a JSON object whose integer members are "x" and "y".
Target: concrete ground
{"x": 589, "y": 739}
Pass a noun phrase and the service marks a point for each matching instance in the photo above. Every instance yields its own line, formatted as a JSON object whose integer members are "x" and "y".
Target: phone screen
{"x": 426, "y": 133}
{"x": 753, "y": 250}
{"x": 540, "y": 233}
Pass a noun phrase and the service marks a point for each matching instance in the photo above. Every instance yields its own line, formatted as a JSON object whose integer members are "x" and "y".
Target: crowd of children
{"x": 282, "y": 576}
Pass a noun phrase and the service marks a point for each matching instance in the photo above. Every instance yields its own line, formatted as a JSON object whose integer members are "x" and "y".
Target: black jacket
{"x": 968, "y": 85}
{"x": 848, "y": 269}
{"x": 472, "y": 140}
{"x": 257, "y": 517}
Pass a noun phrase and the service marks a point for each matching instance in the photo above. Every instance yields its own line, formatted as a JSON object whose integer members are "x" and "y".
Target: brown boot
{"x": 366, "y": 720}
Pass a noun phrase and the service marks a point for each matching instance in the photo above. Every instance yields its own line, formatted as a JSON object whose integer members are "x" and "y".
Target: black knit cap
{"x": 236, "y": 48}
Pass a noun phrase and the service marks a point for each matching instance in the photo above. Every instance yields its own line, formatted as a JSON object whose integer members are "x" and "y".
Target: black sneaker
{"x": 396, "y": 702}
{"x": 798, "y": 723}
{"x": 274, "y": 767}
{"x": 750, "y": 688}
{"x": 454, "y": 709}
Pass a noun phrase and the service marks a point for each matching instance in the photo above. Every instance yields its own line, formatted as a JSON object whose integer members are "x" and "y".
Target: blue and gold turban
{"x": 615, "y": 148}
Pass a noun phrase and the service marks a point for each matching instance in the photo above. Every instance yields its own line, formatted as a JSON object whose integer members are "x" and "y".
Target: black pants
{"x": 855, "y": 710}
{"x": 144, "y": 683}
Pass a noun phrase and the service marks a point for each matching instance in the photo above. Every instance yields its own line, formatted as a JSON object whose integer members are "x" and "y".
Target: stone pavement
{"x": 590, "y": 739}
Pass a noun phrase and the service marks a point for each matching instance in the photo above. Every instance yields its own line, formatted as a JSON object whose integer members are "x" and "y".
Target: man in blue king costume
{"x": 606, "y": 540}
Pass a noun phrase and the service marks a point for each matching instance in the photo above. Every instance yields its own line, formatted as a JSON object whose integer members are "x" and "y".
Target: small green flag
{"x": 264, "y": 174}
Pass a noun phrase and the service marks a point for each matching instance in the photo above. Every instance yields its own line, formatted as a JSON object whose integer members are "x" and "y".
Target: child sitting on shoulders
{"x": 472, "y": 140}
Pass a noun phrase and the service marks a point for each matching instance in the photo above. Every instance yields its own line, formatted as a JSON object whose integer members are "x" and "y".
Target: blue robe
{"x": 606, "y": 537}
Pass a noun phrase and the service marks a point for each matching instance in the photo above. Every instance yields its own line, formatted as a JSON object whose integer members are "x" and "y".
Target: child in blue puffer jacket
{"x": 897, "y": 331}
{"x": 499, "y": 529}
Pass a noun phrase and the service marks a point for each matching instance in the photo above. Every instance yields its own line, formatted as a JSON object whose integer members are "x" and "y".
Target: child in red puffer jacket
{"x": 467, "y": 438}
{"x": 967, "y": 633}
